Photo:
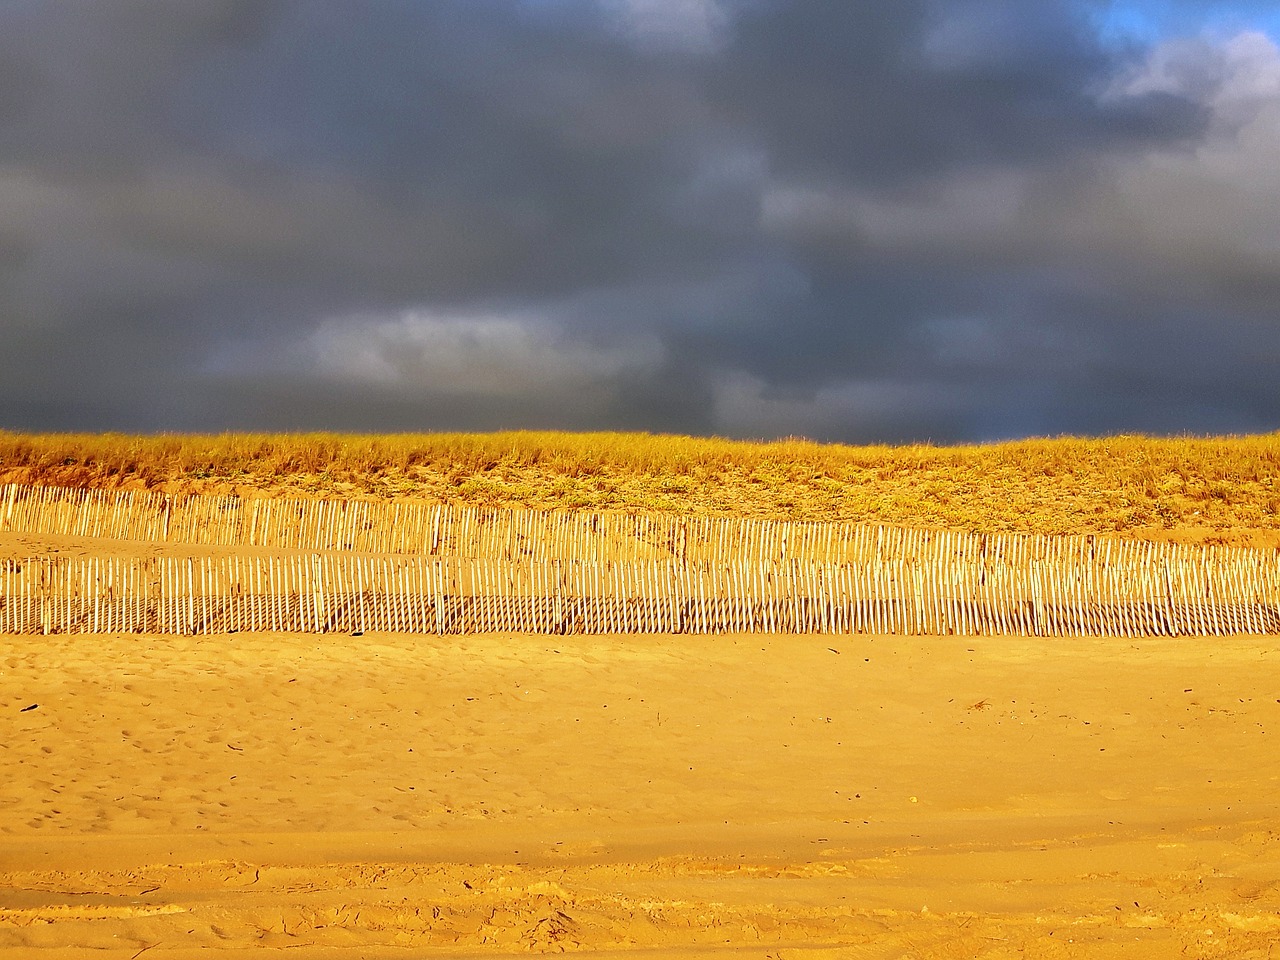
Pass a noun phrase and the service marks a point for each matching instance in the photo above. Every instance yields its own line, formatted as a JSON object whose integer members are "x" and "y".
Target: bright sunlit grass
{"x": 1065, "y": 485}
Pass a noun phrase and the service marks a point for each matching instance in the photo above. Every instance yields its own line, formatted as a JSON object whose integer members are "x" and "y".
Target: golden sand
{"x": 650, "y": 796}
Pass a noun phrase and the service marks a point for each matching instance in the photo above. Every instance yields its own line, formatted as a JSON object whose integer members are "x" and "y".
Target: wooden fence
{"x": 392, "y": 527}
{"x": 424, "y": 568}
{"x": 1127, "y": 593}
{"x": 438, "y": 530}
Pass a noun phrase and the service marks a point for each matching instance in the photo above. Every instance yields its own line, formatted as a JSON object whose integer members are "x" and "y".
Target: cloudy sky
{"x": 945, "y": 220}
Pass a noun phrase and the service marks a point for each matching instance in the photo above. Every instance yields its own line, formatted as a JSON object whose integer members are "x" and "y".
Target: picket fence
{"x": 327, "y": 593}
{"x": 458, "y": 570}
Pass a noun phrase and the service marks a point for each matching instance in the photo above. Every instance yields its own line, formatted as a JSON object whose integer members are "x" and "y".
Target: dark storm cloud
{"x": 918, "y": 88}
{"x": 954, "y": 220}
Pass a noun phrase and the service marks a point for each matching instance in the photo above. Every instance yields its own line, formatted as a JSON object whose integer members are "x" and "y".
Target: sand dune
{"x": 383, "y": 796}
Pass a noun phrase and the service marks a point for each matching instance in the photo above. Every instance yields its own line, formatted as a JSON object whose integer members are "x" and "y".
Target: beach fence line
{"x": 1125, "y": 591}
{"x": 483, "y": 533}
{"x": 379, "y": 527}
{"x": 445, "y": 530}
{"x": 415, "y": 528}
{"x": 433, "y": 568}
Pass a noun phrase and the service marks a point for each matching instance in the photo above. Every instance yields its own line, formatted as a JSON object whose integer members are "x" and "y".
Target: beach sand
{"x": 650, "y": 796}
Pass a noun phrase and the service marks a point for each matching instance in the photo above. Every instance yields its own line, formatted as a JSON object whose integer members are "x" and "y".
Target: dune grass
{"x": 1064, "y": 485}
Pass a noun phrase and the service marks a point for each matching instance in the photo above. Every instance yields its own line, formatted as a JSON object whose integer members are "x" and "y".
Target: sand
{"x": 764, "y": 797}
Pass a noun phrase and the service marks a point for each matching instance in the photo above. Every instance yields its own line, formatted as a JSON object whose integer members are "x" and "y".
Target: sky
{"x": 918, "y": 220}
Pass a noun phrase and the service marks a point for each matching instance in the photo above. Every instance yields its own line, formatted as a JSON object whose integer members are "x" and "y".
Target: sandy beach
{"x": 641, "y": 479}
{"x": 747, "y": 796}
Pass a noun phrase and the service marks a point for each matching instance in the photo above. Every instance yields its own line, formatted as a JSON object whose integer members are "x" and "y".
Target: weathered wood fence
{"x": 398, "y": 527}
{"x": 323, "y": 593}
{"x": 449, "y": 570}
{"x": 439, "y": 530}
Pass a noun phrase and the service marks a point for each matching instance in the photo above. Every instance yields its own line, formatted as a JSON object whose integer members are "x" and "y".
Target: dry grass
{"x": 1217, "y": 486}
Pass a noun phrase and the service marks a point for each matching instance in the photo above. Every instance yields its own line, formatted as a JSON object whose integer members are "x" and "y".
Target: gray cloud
{"x": 945, "y": 220}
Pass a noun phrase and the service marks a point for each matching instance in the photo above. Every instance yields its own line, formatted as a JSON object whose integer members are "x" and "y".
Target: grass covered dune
{"x": 1215, "y": 488}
